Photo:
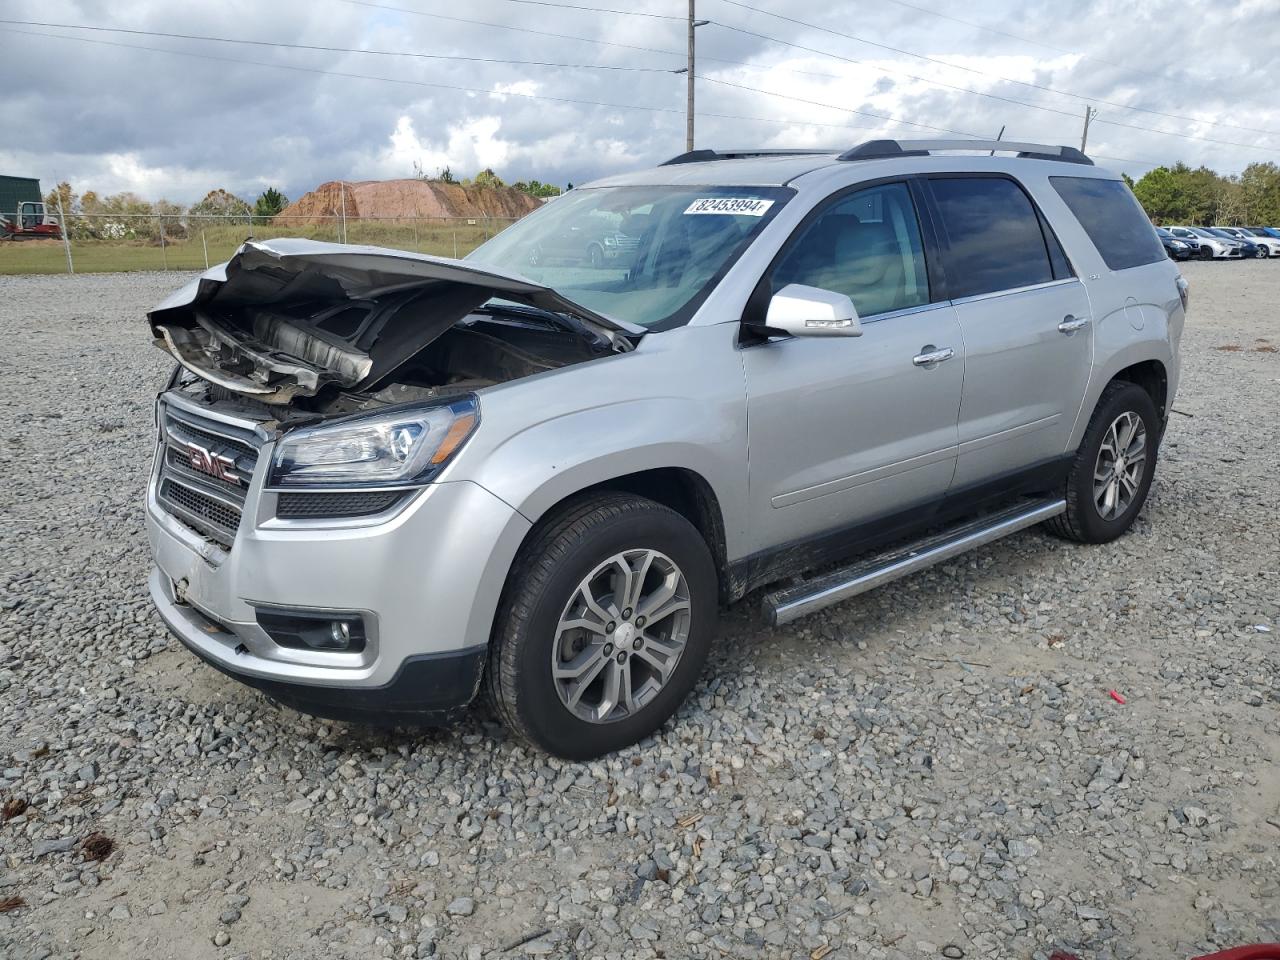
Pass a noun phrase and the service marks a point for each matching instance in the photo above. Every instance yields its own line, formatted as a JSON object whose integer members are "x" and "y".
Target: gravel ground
{"x": 934, "y": 769}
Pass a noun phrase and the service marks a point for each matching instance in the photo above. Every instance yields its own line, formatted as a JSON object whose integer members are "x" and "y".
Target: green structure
{"x": 15, "y": 191}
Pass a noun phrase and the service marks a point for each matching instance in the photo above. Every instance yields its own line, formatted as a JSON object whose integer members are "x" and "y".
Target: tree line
{"x": 1169, "y": 194}
{"x": 487, "y": 178}
{"x": 127, "y": 216}
{"x": 1180, "y": 194}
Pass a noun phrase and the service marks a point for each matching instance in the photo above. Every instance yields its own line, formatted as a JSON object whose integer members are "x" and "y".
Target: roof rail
{"x": 700, "y": 156}
{"x": 881, "y": 149}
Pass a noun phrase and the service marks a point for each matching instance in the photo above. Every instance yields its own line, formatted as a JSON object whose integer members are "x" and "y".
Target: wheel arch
{"x": 682, "y": 489}
{"x": 1153, "y": 377}
{"x": 1150, "y": 363}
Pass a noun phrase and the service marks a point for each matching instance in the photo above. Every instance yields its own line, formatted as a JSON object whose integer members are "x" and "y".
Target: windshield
{"x": 1202, "y": 232}
{"x": 646, "y": 254}
{"x": 1162, "y": 232}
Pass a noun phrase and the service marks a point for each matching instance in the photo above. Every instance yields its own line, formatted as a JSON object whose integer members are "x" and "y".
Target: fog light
{"x": 307, "y": 630}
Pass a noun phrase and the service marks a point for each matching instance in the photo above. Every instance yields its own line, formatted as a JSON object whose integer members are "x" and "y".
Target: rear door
{"x": 1027, "y": 328}
{"x": 844, "y": 431}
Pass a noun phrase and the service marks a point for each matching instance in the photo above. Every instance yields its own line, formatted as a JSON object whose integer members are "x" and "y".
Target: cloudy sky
{"x": 170, "y": 117}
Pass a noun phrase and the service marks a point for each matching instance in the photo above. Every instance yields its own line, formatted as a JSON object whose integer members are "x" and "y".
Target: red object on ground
{"x": 1118, "y": 699}
{"x": 1259, "y": 951}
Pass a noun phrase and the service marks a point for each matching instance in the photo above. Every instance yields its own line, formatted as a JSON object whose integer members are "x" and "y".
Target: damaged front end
{"x": 313, "y": 328}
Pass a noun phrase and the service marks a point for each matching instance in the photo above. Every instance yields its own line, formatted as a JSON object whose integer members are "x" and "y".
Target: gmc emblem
{"x": 214, "y": 464}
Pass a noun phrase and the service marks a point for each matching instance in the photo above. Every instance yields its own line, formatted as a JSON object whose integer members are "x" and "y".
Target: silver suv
{"x": 384, "y": 480}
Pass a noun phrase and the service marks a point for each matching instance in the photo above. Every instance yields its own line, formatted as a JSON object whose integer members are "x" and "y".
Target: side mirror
{"x": 803, "y": 311}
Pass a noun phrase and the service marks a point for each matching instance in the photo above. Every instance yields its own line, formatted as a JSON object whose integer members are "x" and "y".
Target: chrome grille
{"x": 210, "y": 503}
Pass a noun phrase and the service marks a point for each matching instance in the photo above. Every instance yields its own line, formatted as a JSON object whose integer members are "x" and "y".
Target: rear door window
{"x": 1113, "y": 219}
{"x": 993, "y": 238}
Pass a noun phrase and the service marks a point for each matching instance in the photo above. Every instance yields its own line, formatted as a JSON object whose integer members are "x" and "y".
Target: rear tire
{"x": 1113, "y": 467}
{"x": 575, "y": 665}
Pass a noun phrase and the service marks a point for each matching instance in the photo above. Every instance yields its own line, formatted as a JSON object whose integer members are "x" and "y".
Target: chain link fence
{"x": 105, "y": 243}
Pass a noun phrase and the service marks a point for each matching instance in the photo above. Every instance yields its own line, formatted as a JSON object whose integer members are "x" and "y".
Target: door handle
{"x": 1070, "y": 324}
{"x": 930, "y": 355}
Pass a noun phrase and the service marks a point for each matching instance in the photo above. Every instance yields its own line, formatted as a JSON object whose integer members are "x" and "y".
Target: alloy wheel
{"x": 1122, "y": 459}
{"x": 621, "y": 635}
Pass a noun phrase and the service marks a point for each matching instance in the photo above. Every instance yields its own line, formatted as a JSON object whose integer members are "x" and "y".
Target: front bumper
{"x": 427, "y": 688}
{"x": 425, "y": 579}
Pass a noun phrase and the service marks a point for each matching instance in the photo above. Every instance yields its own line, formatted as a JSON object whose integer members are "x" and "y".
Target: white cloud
{"x": 473, "y": 143}
{"x": 522, "y": 88}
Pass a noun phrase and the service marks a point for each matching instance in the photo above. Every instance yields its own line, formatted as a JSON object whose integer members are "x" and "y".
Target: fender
{"x": 586, "y": 448}
{"x": 678, "y": 400}
{"x": 1117, "y": 345}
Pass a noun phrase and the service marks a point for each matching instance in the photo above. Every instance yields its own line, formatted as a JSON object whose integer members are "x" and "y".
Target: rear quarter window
{"x": 1113, "y": 219}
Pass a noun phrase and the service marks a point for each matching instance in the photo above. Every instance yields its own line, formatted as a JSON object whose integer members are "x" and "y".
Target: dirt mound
{"x": 407, "y": 198}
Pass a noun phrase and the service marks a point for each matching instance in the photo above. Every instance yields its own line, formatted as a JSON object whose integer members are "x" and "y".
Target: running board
{"x": 783, "y": 606}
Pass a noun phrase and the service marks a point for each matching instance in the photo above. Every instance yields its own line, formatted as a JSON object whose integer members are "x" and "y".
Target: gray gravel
{"x": 935, "y": 769}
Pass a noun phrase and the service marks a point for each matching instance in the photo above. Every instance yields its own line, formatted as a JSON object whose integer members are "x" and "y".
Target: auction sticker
{"x": 734, "y": 206}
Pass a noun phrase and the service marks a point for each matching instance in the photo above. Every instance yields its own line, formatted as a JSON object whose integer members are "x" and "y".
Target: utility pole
{"x": 1089, "y": 114}
{"x": 66, "y": 227}
{"x": 342, "y": 187}
{"x": 688, "y": 107}
{"x": 688, "y": 71}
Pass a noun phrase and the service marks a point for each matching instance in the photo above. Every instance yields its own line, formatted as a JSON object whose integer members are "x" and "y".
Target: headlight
{"x": 404, "y": 447}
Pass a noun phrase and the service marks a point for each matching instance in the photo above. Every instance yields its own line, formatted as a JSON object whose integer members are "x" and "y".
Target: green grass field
{"x": 442, "y": 238}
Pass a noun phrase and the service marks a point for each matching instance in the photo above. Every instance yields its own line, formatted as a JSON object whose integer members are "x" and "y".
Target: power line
{"x": 1038, "y": 43}
{"x": 983, "y": 73}
{"x": 430, "y": 56}
{"x": 674, "y": 53}
{"x": 1141, "y": 163}
{"x": 584, "y": 9}
{"x": 681, "y": 54}
{"x": 423, "y": 83}
{"x": 351, "y": 76}
{"x": 880, "y": 68}
{"x": 509, "y": 26}
{"x": 522, "y": 95}
{"x": 328, "y": 49}
{"x": 832, "y": 106}
{"x": 979, "y": 93}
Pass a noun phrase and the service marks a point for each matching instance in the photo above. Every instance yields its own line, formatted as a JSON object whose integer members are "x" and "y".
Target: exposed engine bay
{"x": 494, "y": 345}
{"x": 296, "y": 330}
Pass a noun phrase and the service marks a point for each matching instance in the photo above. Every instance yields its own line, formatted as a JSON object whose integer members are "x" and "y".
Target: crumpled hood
{"x": 284, "y": 318}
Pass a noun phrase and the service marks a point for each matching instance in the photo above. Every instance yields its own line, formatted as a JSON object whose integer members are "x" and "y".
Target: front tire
{"x": 1113, "y": 467}
{"x": 604, "y": 626}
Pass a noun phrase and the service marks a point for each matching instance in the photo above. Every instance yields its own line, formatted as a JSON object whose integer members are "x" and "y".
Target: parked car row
{"x": 1220, "y": 243}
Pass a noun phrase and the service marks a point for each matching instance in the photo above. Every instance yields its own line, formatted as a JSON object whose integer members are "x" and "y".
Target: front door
{"x": 844, "y": 431}
{"x": 1027, "y": 327}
